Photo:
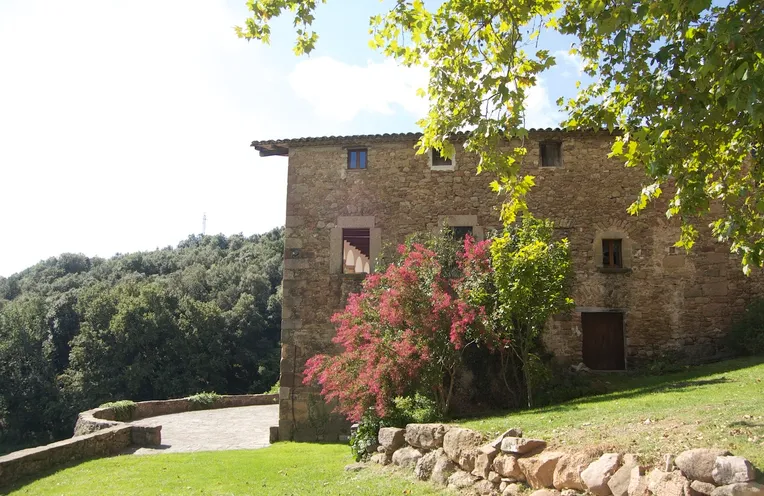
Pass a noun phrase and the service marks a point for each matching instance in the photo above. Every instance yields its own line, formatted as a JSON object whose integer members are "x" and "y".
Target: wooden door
{"x": 603, "y": 340}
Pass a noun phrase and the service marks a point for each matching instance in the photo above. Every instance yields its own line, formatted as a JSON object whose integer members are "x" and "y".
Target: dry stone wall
{"x": 669, "y": 300}
{"x": 509, "y": 465}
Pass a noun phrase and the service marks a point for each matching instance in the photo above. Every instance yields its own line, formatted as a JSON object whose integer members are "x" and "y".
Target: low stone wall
{"x": 97, "y": 433}
{"x": 104, "y": 418}
{"x": 105, "y": 442}
{"x": 511, "y": 465}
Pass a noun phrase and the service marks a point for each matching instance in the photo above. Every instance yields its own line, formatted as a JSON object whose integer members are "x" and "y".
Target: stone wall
{"x": 104, "y": 442}
{"x": 511, "y": 464}
{"x": 104, "y": 418}
{"x": 670, "y": 301}
{"x": 97, "y": 434}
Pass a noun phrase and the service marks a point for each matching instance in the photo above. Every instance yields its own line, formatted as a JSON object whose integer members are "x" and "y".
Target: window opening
{"x": 460, "y": 232}
{"x": 355, "y": 251}
{"x": 611, "y": 253}
{"x": 439, "y": 160}
{"x": 357, "y": 158}
{"x": 551, "y": 154}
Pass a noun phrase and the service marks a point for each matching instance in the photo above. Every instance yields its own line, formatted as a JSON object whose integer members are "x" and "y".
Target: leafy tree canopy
{"x": 682, "y": 81}
{"x": 76, "y": 331}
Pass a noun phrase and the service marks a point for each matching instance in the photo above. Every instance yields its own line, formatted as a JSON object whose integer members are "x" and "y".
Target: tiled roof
{"x": 281, "y": 146}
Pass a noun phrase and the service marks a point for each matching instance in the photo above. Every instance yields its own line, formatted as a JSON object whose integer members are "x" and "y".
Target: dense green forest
{"x": 76, "y": 332}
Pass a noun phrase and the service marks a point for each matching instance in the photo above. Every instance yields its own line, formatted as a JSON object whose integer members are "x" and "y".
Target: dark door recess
{"x": 603, "y": 340}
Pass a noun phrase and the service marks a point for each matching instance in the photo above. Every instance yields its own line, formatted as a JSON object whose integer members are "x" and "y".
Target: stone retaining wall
{"x": 98, "y": 434}
{"x": 511, "y": 465}
{"x": 104, "y": 418}
{"x": 105, "y": 442}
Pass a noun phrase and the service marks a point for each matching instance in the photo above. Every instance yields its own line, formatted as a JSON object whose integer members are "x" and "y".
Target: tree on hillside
{"x": 682, "y": 80}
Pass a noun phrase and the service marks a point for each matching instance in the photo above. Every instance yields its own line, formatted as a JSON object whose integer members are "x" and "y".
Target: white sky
{"x": 123, "y": 122}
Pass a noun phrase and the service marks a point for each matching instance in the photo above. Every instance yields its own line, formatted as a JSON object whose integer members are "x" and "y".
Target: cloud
{"x": 341, "y": 91}
{"x": 571, "y": 60}
{"x": 540, "y": 110}
{"x": 123, "y": 122}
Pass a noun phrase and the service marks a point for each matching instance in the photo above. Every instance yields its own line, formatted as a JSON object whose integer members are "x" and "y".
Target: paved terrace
{"x": 244, "y": 427}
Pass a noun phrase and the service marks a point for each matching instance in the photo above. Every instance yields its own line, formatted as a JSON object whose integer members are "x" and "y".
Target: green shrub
{"x": 123, "y": 410}
{"x": 747, "y": 334}
{"x": 201, "y": 401}
{"x": 275, "y": 388}
{"x": 363, "y": 441}
{"x": 416, "y": 409}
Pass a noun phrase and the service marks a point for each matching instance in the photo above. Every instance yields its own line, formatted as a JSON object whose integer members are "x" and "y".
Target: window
{"x": 356, "y": 244}
{"x": 438, "y": 160}
{"x": 611, "y": 253}
{"x": 461, "y": 231}
{"x": 357, "y": 158}
{"x": 551, "y": 154}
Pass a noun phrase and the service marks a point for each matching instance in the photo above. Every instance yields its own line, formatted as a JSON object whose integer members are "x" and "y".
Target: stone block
{"x": 391, "y": 438}
{"x": 426, "y": 436}
{"x": 521, "y": 445}
{"x": 732, "y": 469}
{"x": 698, "y": 464}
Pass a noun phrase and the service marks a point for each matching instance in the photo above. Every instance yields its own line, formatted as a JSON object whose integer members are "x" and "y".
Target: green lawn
{"x": 282, "y": 469}
{"x": 717, "y": 405}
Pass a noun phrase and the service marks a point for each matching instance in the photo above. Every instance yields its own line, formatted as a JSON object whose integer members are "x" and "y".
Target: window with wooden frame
{"x": 550, "y": 153}
{"x": 357, "y": 158}
{"x": 438, "y": 160}
{"x": 612, "y": 257}
{"x": 460, "y": 232}
{"x": 356, "y": 249}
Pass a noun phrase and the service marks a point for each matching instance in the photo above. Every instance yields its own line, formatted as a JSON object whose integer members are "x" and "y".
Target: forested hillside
{"x": 76, "y": 331}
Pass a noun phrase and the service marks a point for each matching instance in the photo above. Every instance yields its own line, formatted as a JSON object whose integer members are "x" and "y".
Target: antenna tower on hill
{"x": 204, "y": 224}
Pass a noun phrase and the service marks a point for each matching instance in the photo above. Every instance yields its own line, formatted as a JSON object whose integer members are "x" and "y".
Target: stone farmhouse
{"x": 636, "y": 295}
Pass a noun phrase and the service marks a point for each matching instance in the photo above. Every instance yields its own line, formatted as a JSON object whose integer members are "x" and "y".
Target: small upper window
{"x": 551, "y": 154}
{"x": 357, "y": 158}
{"x": 439, "y": 160}
{"x": 356, "y": 244}
{"x": 460, "y": 232}
{"x": 611, "y": 253}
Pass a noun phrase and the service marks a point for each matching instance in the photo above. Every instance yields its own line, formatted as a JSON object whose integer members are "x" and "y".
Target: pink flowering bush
{"x": 406, "y": 331}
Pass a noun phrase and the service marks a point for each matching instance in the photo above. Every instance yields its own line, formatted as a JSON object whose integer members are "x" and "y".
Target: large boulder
{"x": 426, "y": 436}
{"x": 700, "y": 488}
{"x": 391, "y": 438}
{"x": 619, "y": 482}
{"x": 698, "y": 464}
{"x": 668, "y": 483}
{"x": 567, "y": 473}
{"x": 638, "y": 482}
{"x": 407, "y": 457}
{"x": 513, "y": 432}
{"x": 461, "y": 480}
{"x": 424, "y": 466}
{"x": 539, "y": 469}
{"x": 507, "y": 466}
{"x": 732, "y": 469}
{"x": 486, "y": 488}
{"x": 513, "y": 489}
{"x": 599, "y": 472}
{"x": 381, "y": 458}
{"x": 521, "y": 445}
{"x": 484, "y": 460}
{"x": 442, "y": 470}
{"x": 461, "y": 447}
{"x": 739, "y": 489}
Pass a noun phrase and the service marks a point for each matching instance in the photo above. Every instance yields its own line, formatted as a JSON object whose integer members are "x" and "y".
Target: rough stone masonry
{"x": 636, "y": 295}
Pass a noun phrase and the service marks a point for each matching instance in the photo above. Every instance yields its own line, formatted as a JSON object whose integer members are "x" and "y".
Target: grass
{"x": 282, "y": 469}
{"x": 717, "y": 405}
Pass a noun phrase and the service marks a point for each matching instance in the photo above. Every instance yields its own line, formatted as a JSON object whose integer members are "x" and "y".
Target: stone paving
{"x": 245, "y": 427}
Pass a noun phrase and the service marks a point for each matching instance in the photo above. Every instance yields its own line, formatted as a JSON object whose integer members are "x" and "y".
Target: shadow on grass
{"x": 634, "y": 385}
{"x": 20, "y": 483}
